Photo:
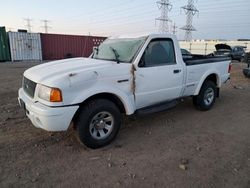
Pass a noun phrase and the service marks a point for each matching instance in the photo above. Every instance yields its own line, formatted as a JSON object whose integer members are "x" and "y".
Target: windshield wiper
{"x": 96, "y": 50}
{"x": 116, "y": 54}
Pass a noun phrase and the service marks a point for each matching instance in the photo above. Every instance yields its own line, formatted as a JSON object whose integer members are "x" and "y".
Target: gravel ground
{"x": 182, "y": 147}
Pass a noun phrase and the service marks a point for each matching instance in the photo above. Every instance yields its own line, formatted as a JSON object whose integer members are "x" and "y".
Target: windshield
{"x": 120, "y": 50}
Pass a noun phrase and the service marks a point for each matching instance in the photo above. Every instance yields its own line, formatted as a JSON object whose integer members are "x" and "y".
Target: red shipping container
{"x": 56, "y": 46}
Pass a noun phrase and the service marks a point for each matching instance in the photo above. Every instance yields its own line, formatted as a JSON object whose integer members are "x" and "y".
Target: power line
{"x": 100, "y": 10}
{"x": 129, "y": 17}
{"x": 190, "y": 11}
{"x": 165, "y": 6}
{"x": 127, "y": 21}
{"x": 101, "y": 13}
{"x": 46, "y": 26}
{"x": 28, "y": 24}
{"x": 126, "y": 17}
{"x": 113, "y": 20}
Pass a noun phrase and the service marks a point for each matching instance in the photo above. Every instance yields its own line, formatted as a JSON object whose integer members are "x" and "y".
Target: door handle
{"x": 177, "y": 71}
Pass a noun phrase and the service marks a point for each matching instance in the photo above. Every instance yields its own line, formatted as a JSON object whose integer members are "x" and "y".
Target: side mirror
{"x": 142, "y": 61}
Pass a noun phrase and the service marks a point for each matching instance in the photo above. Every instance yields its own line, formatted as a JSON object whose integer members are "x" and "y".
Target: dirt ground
{"x": 150, "y": 151}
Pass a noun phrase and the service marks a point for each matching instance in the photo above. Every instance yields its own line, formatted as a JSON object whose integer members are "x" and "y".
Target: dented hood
{"x": 68, "y": 72}
{"x": 63, "y": 68}
{"x": 225, "y": 47}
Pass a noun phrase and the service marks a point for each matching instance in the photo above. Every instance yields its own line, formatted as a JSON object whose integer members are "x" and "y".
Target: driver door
{"x": 159, "y": 77}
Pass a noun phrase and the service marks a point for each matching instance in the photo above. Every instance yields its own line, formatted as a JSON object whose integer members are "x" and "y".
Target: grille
{"x": 29, "y": 87}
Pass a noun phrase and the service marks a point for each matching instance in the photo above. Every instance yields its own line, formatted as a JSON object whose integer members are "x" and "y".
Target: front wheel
{"x": 207, "y": 96}
{"x": 98, "y": 123}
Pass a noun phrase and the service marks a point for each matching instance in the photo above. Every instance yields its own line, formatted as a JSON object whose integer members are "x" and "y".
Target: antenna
{"x": 46, "y": 26}
{"x": 28, "y": 24}
{"x": 190, "y": 11}
{"x": 165, "y": 6}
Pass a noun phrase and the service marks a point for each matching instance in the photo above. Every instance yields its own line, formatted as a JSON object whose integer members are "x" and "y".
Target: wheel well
{"x": 213, "y": 78}
{"x": 107, "y": 96}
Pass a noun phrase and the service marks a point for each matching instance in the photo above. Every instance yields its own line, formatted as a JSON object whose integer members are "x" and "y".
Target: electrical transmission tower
{"x": 46, "y": 25}
{"x": 28, "y": 24}
{"x": 190, "y": 11}
{"x": 165, "y": 6}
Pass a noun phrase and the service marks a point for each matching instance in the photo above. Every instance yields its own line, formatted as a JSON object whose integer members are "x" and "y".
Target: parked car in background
{"x": 235, "y": 52}
{"x": 246, "y": 71}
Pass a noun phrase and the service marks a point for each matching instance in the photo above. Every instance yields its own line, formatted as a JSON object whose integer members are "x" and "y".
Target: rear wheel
{"x": 207, "y": 96}
{"x": 98, "y": 123}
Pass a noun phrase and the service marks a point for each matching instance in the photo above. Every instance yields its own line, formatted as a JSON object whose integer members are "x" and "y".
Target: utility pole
{"x": 190, "y": 11}
{"x": 174, "y": 28}
{"x": 46, "y": 25}
{"x": 165, "y": 6}
{"x": 28, "y": 24}
{"x": 206, "y": 48}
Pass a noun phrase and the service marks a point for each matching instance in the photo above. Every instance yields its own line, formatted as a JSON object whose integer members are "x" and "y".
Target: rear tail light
{"x": 229, "y": 67}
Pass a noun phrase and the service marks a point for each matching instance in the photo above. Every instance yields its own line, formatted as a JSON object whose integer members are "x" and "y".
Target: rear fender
{"x": 204, "y": 77}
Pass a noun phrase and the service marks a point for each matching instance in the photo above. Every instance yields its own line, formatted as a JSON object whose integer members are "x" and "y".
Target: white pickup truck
{"x": 123, "y": 75}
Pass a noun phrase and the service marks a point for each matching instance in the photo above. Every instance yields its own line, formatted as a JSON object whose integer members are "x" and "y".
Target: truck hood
{"x": 225, "y": 47}
{"x": 63, "y": 68}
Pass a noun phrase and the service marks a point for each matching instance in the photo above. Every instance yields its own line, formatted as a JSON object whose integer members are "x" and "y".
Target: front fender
{"x": 126, "y": 99}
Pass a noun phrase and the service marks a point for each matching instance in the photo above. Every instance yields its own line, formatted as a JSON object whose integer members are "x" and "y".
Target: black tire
{"x": 200, "y": 101}
{"x": 85, "y": 121}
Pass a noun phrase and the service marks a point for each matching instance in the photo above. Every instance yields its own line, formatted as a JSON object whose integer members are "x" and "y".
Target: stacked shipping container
{"x": 25, "y": 46}
{"x": 34, "y": 46}
{"x": 56, "y": 46}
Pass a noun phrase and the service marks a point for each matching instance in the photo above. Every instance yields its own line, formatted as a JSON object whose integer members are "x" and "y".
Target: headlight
{"x": 49, "y": 94}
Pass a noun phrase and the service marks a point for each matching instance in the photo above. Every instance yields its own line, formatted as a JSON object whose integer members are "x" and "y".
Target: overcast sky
{"x": 217, "y": 19}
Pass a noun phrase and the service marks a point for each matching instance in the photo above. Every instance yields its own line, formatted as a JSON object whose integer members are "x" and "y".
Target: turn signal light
{"x": 55, "y": 95}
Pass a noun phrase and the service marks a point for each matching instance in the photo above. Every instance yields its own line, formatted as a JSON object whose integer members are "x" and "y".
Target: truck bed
{"x": 195, "y": 59}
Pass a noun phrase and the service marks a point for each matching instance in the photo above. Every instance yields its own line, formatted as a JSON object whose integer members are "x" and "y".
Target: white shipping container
{"x": 25, "y": 46}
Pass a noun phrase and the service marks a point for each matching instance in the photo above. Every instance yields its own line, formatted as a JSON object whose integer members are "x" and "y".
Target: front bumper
{"x": 45, "y": 117}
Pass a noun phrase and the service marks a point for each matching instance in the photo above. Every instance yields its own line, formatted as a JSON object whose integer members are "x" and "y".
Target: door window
{"x": 158, "y": 53}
